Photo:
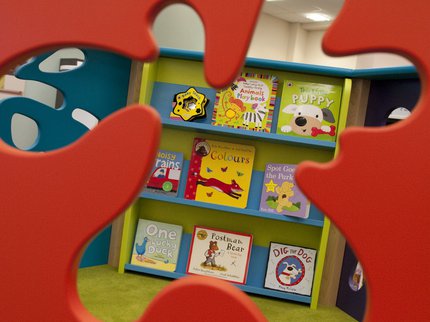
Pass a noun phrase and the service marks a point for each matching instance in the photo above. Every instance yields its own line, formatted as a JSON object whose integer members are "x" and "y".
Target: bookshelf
{"x": 177, "y": 70}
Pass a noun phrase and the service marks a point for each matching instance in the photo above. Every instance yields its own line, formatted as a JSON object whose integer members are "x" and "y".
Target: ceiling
{"x": 295, "y": 10}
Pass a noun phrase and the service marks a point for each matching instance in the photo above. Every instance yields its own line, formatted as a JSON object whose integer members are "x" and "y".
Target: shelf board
{"x": 234, "y": 210}
{"x": 315, "y": 218}
{"x": 245, "y": 288}
{"x": 256, "y": 272}
{"x": 273, "y": 137}
{"x": 163, "y": 94}
{"x": 367, "y": 73}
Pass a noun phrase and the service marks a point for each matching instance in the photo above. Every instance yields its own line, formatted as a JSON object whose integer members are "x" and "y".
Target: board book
{"x": 280, "y": 193}
{"x": 220, "y": 173}
{"x": 166, "y": 173}
{"x": 290, "y": 269}
{"x": 247, "y": 104}
{"x": 309, "y": 109}
{"x": 189, "y": 105}
{"x": 156, "y": 245}
{"x": 219, "y": 253}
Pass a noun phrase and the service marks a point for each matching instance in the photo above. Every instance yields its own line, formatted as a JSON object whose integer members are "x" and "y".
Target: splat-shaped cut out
{"x": 379, "y": 182}
{"x": 81, "y": 181}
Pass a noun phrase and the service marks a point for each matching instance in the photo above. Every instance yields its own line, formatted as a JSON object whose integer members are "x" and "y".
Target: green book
{"x": 156, "y": 245}
{"x": 310, "y": 109}
{"x": 247, "y": 104}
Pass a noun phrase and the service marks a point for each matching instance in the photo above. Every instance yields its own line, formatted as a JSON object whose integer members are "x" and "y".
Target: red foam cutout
{"x": 125, "y": 27}
{"x": 198, "y": 298}
{"x": 379, "y": 182}
{"x": 51, "y": 204}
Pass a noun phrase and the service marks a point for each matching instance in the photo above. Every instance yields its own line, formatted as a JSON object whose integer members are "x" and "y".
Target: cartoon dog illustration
{"x": 289, "y": 273}
{"x": 307, "y": 120}
{"x": 285, "y": 192}
{"x": 211, "y": 253}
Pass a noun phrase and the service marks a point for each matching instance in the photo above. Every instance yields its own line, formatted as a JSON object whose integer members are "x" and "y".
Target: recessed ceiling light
{"x": 315, "y": 16}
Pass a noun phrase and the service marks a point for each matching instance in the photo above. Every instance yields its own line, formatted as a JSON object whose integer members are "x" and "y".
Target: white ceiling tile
{"x": 295, "y": 10}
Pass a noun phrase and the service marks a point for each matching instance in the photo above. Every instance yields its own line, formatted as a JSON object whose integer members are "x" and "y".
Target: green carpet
{"x": 114, "y": 297}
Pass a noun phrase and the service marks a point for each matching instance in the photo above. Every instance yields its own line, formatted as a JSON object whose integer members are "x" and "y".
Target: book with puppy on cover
{"x": 280, "y": 193}
{"x": 310, "y": 109}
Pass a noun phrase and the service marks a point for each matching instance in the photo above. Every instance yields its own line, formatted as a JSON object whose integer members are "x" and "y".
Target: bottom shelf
{"x": 256, "y": 272}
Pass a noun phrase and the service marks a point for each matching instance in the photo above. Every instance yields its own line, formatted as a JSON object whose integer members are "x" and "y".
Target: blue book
{"x": 166, "y": 173}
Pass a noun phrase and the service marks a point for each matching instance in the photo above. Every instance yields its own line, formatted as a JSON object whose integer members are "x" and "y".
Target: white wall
{"x": 270, "y": 39}
{"x": 297, "y": 39}
{"x": 273, "y": 39}
{"x": 380, "y": 60}
{"x": 314, "y": 54}
{"x": 178, "y": 26}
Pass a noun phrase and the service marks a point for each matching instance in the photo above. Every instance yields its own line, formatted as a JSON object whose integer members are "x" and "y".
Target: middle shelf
{"x": 315, "y": 218}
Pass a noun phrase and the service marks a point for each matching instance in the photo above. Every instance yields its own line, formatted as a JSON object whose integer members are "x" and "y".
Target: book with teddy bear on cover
{"x": 280, "y": 193}
{"x": 220, "y": 253}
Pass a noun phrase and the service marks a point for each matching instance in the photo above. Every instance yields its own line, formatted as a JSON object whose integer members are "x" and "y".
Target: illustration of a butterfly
{"x": 239, "y": 173}
{"x": 209, "y": 194}
{"x": 224, "y": 169}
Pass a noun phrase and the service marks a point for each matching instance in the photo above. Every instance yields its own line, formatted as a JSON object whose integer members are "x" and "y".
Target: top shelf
{"x": 369, "y": 73}
{"x": 162, "y": 100}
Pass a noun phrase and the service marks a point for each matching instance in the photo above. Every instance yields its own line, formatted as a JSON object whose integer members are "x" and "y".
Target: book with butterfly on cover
{"x": 280, "y": 193}
{"x": 220, "y": 173}
{"x": 310, "y": 109}
{"x": 156, "y": 245}
{"x": 247, "y": 104}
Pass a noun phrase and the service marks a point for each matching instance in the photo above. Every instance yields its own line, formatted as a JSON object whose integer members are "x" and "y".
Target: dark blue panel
{"x": 97, "y": 252}
{"x": 350, "y": 301}
{"x": 386, "y": 95}
{"x": 99, "y": 86}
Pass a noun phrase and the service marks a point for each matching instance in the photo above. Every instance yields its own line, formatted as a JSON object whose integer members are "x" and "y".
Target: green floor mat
{"x": 114, "y": 297}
